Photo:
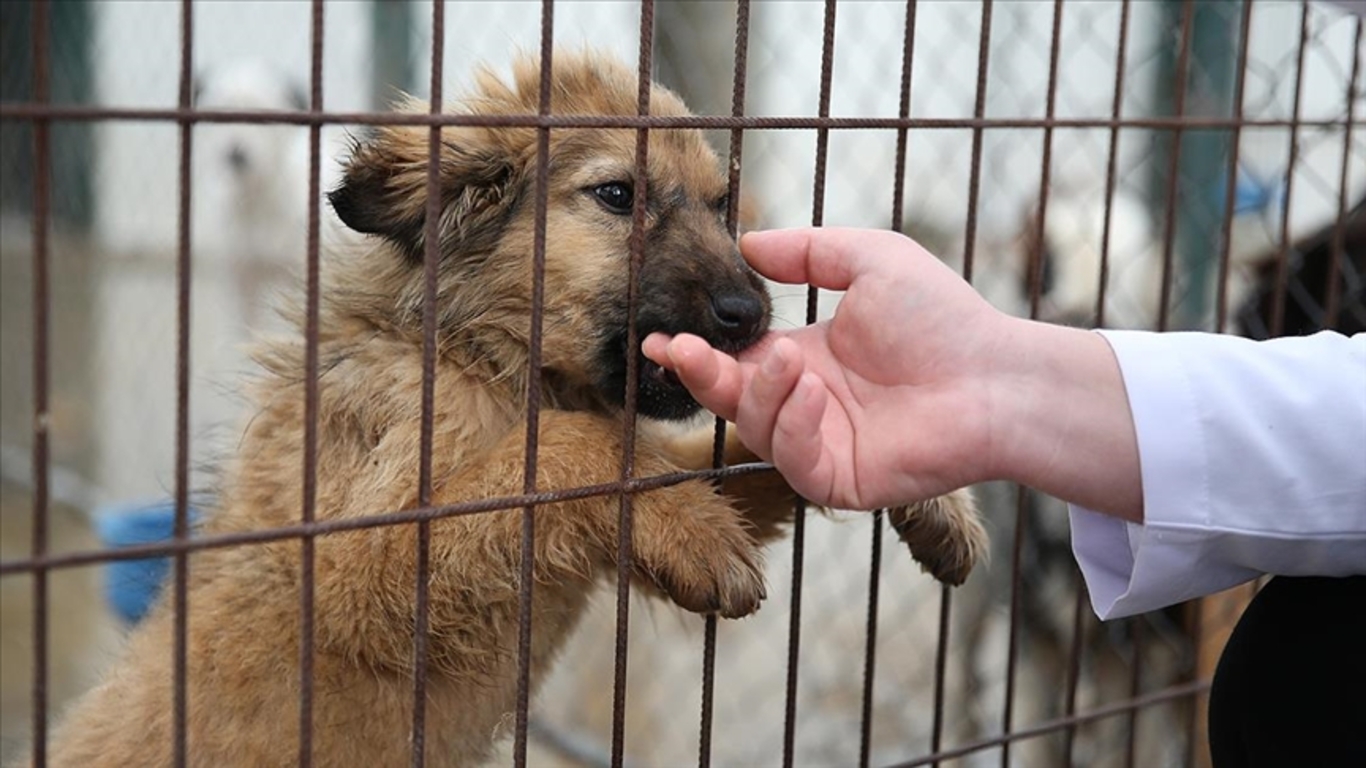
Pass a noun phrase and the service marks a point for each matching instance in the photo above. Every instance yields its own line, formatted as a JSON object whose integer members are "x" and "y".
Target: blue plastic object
{"x": 1252, "y": 194}
{"x": 131, "y": 586}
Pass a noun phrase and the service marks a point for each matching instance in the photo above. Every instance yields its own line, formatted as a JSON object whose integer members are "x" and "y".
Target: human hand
{"x": 883, "y": 403}
{"x": 916, "y": 386}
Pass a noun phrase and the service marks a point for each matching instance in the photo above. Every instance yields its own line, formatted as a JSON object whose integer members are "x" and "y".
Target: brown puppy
{"x": 692, "y": 543}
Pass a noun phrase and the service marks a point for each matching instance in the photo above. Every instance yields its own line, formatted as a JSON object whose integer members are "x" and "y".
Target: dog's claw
{"x": 714, "y": 579}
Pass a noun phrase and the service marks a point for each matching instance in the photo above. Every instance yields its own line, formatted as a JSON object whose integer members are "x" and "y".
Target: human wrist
{"x": 1060, "y": 418}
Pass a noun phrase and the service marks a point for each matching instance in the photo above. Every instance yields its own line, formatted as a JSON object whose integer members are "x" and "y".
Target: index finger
{"x": 714, "y": 378}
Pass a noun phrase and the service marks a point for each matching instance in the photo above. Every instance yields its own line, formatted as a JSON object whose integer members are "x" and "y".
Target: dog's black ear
{"x": 384, "y": 191}
{"x": 367, "y": 199}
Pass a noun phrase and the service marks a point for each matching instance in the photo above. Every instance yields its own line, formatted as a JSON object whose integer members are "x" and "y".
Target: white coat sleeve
{"x": 1253, "y": 461}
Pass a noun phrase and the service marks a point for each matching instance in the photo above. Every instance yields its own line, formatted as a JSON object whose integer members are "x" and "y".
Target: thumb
{"x": 823, "y": 257}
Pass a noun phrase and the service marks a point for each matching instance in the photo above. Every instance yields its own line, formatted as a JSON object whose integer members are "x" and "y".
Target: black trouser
{"x": 1290, "y": 689}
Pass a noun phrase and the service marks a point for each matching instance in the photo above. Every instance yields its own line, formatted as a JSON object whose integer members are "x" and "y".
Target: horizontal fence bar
{"x": 324, "y": 527}
{"x": 31, "y": 112}
{"x": 1171, "y": 693}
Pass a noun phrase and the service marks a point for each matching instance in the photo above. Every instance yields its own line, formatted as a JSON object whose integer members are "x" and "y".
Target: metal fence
{"x": 1186, "y": 164}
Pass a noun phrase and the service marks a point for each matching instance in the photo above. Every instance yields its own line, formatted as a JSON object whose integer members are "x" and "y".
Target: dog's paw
{"x": 705, "y": 563}
{"x": 943, "y": 534}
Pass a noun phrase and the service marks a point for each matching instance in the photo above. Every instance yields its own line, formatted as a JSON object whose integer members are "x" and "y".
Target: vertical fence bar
{"x": 1111, "y": 172}
{"x": 737, "y": 109}
{"x": 310, "y": 468}
{"x": 526, "y": 578}
{"x": 1013, "y": 632}
{"x": 870, "y": 643}
{"x": 875, "y": 549}
{"x": 1202, "y": 159}
{"x": 637, "y": 249}
{"x": 979, "y": 110}
{"x": 1074, "y": 667}
{"x": 969, "y": 253}
{"x": 1135, "y": 686}
{"x": 1231, "y": 181}
{"x": 1035, "y": 290}
{"x": 1337, "y": 250}
{"x": 1182, "y": 79}
{"x": 1281, "y": 288}
{"x": 431, "y": 257}
{"x": 812, "y": 298}
{"x": 42, "y": 176}
{"x": 1046, "y": 169}
{"x": 180, "y": 596}
{"x": 1112, "y": 160}
{"x": 941, "y": 669}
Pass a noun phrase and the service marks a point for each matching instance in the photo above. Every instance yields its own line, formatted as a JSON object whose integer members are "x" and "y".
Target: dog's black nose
{"x": 738, "y": 315}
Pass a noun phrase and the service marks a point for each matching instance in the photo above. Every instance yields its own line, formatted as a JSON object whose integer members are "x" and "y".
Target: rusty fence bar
{"x": 307, "y": 588}
{"x": 526, "y": 573}
{"x": 812, "y": 299}
{"x": 181, "y": 563}
{"x": 1339, "y": 248}
{"x": 897, "y": 221}
{"x": 30, "y": 111}
{"x": 378, "y": 520}
{"x": 1035, "y": 274}
{"x": 431, "y": 257}
{"x": 1293, "y": 150}
{"x": 740, "y": 66}
{"x": 1231, "y": 183}
{"x": 42, "y": 197}
{"x": 1184, "y": 690}
{"x": 625, "y": 526}
{"x": 1182, "y": 79}
{"x": 978, "y": 123}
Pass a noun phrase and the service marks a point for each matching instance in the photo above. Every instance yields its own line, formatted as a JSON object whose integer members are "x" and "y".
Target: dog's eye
{"x": 616, "y": 196}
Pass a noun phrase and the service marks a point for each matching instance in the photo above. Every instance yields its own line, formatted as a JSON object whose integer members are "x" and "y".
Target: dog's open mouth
{"x": 652, "y": 371}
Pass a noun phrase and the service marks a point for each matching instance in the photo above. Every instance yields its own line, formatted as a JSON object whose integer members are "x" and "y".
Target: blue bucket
{"x": 131, "y": 586}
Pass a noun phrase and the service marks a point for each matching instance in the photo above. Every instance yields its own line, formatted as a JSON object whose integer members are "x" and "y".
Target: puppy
{"x": 692, "y": 542}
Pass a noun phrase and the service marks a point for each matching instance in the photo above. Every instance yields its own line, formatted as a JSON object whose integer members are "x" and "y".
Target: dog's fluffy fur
{"x": 692, "y": 542}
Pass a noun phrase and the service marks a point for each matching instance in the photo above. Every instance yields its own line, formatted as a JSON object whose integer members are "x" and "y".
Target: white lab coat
{"x": 1253, "y": 458}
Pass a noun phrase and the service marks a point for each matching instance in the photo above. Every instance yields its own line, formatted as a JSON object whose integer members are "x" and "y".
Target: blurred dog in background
{"x": 251, "y": 181}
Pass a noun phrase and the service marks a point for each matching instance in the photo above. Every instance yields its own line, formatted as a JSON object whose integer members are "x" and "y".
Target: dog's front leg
{"x": 765, "y": 499}
{"x": 944, "y": 534}
{"x": 686, "y": 538}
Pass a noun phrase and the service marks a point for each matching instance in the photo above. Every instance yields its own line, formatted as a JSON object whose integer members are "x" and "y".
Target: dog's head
{"x": 691, "y": 277}
{"x": 247, "y": 150}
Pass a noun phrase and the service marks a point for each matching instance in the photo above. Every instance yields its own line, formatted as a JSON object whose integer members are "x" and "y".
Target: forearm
{"x": 1251, "y": 464}
{"x": 1061, "y": 418}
